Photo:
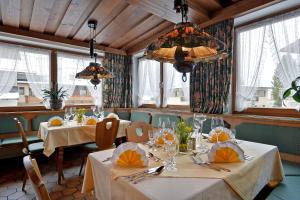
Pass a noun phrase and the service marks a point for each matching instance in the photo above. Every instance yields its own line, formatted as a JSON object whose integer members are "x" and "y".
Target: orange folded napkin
{"x": 55, "y": 121}
{"x": 91, "y": 120}
{"x": 226, "y": 152}
{"x": 130, "y": 155}
{"x": 220, "y": 134}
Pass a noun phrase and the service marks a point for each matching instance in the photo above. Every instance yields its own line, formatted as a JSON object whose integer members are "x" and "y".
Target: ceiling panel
{"x": 26, "y": 12}
{"x": 11, "y": 11}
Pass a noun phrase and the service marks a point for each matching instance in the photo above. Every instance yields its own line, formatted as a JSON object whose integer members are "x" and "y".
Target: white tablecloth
{"x": 99, "y": 178}
{"x": 71, "y": 134}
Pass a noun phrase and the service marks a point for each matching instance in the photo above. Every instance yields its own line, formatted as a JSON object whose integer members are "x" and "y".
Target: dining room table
{"x": 242, "y": 180}
{"x": 71, "y": 133}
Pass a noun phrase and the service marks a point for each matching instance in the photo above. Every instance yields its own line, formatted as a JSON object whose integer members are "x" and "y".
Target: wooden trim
{"x": 279, "y": 112}
{"x": 179, "y": 107}
{"x": 290, "y": 157}
{"x": 52, "y": 38}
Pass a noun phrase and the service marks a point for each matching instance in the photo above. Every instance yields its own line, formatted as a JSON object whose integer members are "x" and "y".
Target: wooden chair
{"x": 104, "y": 138}
{"x": 28, "y": 149}
{"x": 138, "y": 132}
{"x": 35, "y": 177}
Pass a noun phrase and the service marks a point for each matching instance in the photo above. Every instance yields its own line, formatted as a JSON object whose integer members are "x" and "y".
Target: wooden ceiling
{"x": 124, "y": 26}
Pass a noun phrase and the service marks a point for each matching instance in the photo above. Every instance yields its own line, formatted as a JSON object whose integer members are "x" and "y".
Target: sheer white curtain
{"x": 285, "y": 39}
{"x": 149, "y": 78}
{"x": 37, "y": 69}
{"x": 9, "y": 55}
{"x": 250, "y": 45}
{"x": 67, "y": 67}
{"x": 173, "y": 80}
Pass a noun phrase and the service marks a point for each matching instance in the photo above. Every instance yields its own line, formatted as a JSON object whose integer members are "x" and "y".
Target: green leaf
{"x": 294, "y": 86}
{"x": 296, "y": 96}
{"x": 287, "y": 93}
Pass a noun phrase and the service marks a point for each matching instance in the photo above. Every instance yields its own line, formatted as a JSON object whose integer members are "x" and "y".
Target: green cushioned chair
{"x": 164, "y": 117}
{"x": 42, "y": 118}
{"x": 140, "y": 116}
{"x": 8, "y": 124}
{"x": 124, "y": 115}
{"x": 288, "y": 189}
{"x": 285, "y": 138}
{"x": 18, "y": 140}
{"x": 291, "y": 169}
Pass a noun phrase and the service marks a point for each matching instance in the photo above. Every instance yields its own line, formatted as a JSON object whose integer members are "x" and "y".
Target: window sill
{"x": 277, "y": 112}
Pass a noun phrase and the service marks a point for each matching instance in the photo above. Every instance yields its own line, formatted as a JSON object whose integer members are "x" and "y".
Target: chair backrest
{"x": 106, "y": 132}
{"x": 22, "y": 134}
{"x": 35, "y": 177}
{"x": 138, "y": 132}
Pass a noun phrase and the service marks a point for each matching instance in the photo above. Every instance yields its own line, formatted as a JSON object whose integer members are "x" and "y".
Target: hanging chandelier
{"x": 94, "y": 71}
{"x": 186, "y": 45}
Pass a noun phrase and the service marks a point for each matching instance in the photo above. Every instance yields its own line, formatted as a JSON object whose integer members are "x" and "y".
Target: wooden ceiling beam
{"x": 238, "y": 9}
{"x": 143, "y": 44}
{"x": 164, "y": 9}
{"x": 11, "y": 11}
{"x": 58, "y": 39}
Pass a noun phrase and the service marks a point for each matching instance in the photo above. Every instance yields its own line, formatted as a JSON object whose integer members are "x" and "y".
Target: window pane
{"x": 24, "y": 73}
{"x": 80, "y": 91}
{"x": 176, "y": 91}
{"x": 268, "y": 59}
{"x": 149, "y": 78}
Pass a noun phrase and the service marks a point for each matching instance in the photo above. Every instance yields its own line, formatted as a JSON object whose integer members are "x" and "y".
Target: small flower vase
{"x": 79, "y": 119}
{"x": 183, "y": 147}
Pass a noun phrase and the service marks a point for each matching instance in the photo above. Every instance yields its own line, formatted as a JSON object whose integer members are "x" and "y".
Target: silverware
{"x": 134, "y": 175}
{"x": 204, "y": 164}
{"x": 158, "y": 171}
{"x": 106, "y": 159}
{"x": 248, "y": 157}
{"x": 156, "y": 159}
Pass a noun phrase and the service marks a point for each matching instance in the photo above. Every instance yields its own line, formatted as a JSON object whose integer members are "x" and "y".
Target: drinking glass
{"x": 151, "y": 139}
{"x": 199, "y": 118}
{"x": 93, "y": 108}
{"x": 96, "y": 111}
{"x": 67, "y": 115}
{"x": 233, "y": 131}
{"x": 172, "y": 149}
{"x": 217, "y": 122}
{"x": 73, "y": 112}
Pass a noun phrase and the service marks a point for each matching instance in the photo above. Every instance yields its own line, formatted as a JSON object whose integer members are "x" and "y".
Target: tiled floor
{"x": 11, "y": 174}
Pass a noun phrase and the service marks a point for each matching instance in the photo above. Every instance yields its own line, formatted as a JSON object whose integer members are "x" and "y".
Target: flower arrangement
{"x": 183, "y": 132}
{"x": 80, "y": 114}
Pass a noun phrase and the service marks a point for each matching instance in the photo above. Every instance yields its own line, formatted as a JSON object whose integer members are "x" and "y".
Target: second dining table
{"x": 69, "y": 134}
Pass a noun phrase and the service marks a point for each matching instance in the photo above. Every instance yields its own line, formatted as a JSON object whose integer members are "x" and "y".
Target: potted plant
{"x": 294, "y": 90}
{"x": 55, "y": 97}
{"x": 183, "y": 132}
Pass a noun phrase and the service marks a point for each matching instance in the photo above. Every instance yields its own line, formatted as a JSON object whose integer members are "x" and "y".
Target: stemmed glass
{"x": 172, "y": 148}
{"x": 217, "y": 122}
{"x": 67, "y": 115}
{"x": 198, "y": 125}
{"x": 73, "y": 112}
{"x": 151, "y": 140}
{"x": 96, "y": 111}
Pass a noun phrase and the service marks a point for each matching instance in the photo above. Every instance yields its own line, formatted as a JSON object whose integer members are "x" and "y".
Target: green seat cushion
{"x": 289, "y": 189}
{"x": 164, "y": 117}
{"x": 42, "y": 118}
{"x": 140, "y": 116}
{"x": 18, "y": 140}
{"x": 291, "y": 169}
{"x": 124, "y": 115}
{"x": 36, "y": 147}
{"x": 90, "y": 147}
{"x": 285, "y": 138}
{"x": 8, "y": 124}
{"x": 106, "y": 113}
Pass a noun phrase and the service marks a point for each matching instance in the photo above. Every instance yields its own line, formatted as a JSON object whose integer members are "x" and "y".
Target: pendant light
{"x": 186, "y": 45}
{"x": 94, "y": 71}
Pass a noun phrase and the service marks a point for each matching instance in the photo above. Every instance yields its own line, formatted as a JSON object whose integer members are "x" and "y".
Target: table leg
{"x": 60, "y": 160}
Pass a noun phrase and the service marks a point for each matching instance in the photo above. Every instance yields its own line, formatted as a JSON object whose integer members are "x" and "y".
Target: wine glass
{"x": 96, "y": 111}
{"x": 93, "y": 108}
{"x": 199, "y": 118}
{"x": 172, "y": 148}
{"x": 216, "y": 123}
{"x": 151, "y": 139}
{"x": 67, "y": 115}
{"x": 73, "y": 112}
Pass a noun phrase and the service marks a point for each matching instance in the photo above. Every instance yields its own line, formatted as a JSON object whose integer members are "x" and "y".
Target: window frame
{"x": 171, "y": 106}
{"x": 277, "y": 112}
{"x": 53, "y": 78}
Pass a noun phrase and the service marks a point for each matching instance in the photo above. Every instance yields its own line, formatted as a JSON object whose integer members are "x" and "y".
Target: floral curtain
{"x": 210, "y": 81}
{"x": 117, "y": 91}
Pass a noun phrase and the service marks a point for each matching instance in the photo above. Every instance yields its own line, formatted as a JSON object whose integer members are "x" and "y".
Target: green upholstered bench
{"x": 291, "y": 169}
{"x": 124, "y": 115}
{"x": 8, "y": 124}
{"x": 288, "y": 189}
{"x": 164, "y": 117}
{"x": 140, "y": 116}
{"x": 42, "y": 118}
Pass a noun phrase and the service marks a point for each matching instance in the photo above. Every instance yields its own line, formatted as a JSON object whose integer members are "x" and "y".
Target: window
{"x": 80, "y": 91}
{"x": 149, "y": 79}
{"x": 176, "y": 92}
{"x": 268, "y": 59}
{"x": 23, "y": 69}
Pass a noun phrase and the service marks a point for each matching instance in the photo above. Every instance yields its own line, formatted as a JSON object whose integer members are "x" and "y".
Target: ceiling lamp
{"x": 185, "y": 45}
{"x": 94, "y": 71}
